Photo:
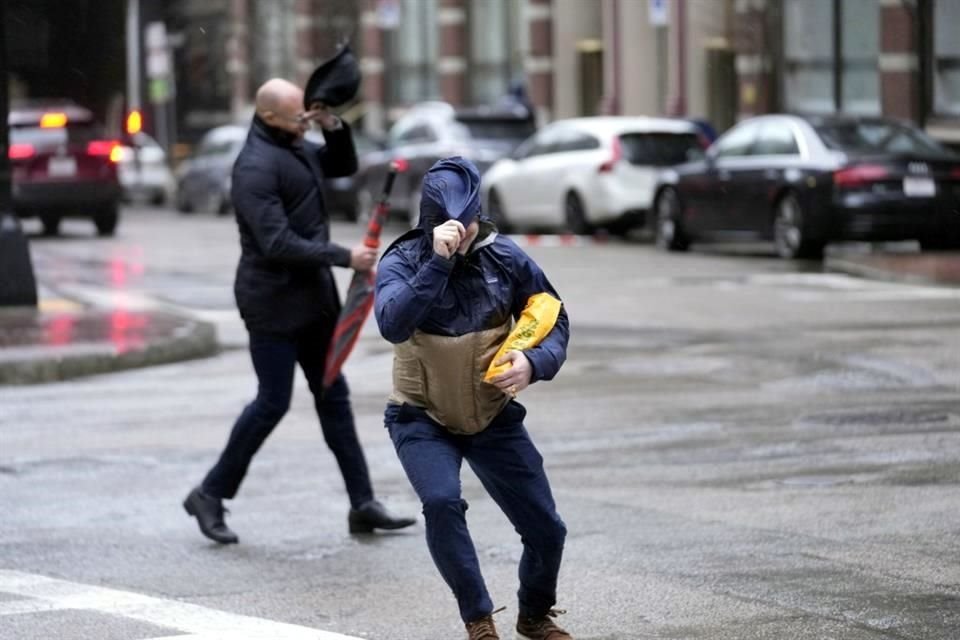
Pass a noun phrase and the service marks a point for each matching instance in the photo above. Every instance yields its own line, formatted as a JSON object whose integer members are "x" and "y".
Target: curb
{"x": 855, "y": 268}
{"x": 189, "y": 339}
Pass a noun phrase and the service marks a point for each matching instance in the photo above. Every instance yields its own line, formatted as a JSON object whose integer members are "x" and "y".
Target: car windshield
{"x": 658, "y": 149}
{"x": 73, "y": 133}
{"x": 878, "y": 137}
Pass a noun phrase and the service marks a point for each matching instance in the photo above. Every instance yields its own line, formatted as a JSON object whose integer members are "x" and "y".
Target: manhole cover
{"x": 893, "y": 416}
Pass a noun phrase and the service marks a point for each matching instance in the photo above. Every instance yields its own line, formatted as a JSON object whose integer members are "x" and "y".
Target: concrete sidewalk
{"x": 62, "y": 339}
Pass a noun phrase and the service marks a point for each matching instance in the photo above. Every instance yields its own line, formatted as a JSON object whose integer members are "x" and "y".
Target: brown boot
{"x": 482, "y": 629}
{"x": 541, "y": 628}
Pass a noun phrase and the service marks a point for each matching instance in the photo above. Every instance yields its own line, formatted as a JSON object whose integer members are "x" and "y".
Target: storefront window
{"x": 413, "y": 44}
{"x": 491, "y": 45}
{"x": 860, "y": 44}
{"x": 816, "y": 78}
{"x": 946, "y": 58}
{"x": 809, "y": 56}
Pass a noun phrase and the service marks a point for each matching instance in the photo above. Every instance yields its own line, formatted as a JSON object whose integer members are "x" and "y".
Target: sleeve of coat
{"x": 256, "y": 199}
{"x": 338, "y": 158}
{"x": 405, "y": 293}
{"x": 547, "y": 357}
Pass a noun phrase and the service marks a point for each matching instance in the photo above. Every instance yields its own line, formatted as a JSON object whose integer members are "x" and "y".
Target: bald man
{"x": 288, "y": 299}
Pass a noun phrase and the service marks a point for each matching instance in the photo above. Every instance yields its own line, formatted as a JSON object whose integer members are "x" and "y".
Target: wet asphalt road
{"x": 742, "y": 448}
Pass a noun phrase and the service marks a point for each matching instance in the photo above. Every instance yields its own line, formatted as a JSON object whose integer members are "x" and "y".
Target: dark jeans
{"x": 511, "y": 469}
{"x": 274, "y": 360}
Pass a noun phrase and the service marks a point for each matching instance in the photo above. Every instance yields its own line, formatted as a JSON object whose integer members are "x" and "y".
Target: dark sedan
{"x": 803, "y": 182}
{"x": 431, "y": 131}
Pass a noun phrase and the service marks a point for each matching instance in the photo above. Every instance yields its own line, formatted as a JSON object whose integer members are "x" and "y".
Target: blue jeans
{"x": 511, "y": 470}
{"x": 274, "y": 360}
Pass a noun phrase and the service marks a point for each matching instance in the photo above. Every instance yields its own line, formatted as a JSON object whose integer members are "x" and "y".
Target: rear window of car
{"x": 878, "y": 137}
{"x": 72, "y": 133}
{"x": 658, "y": 149}
{"x": 497, "y": 129}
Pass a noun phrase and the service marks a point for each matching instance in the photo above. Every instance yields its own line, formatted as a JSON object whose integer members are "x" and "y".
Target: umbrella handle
{"x": 382, "y": 208}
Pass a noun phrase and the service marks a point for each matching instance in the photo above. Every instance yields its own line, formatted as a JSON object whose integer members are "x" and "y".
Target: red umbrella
{"x": 359, "y": 300}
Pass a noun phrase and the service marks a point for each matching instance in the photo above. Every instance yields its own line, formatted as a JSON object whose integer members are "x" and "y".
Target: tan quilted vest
{"x": 444, "y": 376}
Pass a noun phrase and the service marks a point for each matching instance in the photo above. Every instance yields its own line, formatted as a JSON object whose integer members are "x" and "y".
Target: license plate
{"x": 62, "y": 167}
{"x": 919, "y": 187}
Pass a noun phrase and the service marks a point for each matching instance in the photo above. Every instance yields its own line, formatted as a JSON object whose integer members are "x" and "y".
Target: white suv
{"x": 584, "y": 173}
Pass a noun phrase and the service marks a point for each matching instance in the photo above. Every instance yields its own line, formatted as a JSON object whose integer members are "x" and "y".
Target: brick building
{"x": 716, "y": 59}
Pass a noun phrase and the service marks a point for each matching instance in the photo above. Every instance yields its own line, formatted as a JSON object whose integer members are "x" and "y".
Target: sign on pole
{"x": 659, "y": 12}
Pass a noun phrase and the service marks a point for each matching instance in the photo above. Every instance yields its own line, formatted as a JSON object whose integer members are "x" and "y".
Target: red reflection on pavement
{"x": 60, "y": 330}
{"x": 124, "y": 267}
{"x": 127, "y": 330}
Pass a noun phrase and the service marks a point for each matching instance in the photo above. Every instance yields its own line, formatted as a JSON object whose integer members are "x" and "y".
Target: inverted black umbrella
{"x": 359, "y": 299}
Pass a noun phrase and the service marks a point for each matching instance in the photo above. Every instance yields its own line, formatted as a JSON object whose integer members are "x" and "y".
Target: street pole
{"x": 18, "y": 286}
{"x": 133, "y": 55}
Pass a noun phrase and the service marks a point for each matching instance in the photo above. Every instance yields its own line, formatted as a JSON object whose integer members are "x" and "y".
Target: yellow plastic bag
{"x": 535, "y": 323}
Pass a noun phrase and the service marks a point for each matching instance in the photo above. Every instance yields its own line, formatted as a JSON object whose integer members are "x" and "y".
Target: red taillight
{"x": 703, "y": 141}
{"x": 955, "y": 173}
{"x": 20, "y": 151}
{"x": 859, "y": 175}
{"x": 617, "y": 154}
{"x": 109, "y": 148}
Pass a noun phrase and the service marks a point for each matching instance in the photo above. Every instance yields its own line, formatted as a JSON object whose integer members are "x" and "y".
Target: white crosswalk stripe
{"x": 42, "y": 594}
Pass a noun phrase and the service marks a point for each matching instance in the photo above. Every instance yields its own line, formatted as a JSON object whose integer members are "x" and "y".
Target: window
{"x": 776, "y": 139}
{"x": 831, "y": 49}
{"x": 659, "y": 149}
{"x": 946, "y": 58}
{"x": 494, "y": 47}
{"x": 738, "y": 142}
{"x": 878, "y": 136}
{"x": 576, "y": 141}
{"x": 412, "y": 75}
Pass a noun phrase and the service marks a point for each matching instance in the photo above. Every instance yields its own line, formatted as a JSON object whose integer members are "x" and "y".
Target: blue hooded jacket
{"x": 418, "y": 289}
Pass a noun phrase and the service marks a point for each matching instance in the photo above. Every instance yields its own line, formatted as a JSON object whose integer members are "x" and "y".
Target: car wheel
{"x": 51, "y": 225}
{"x": 669, "y": 231}
{"x": 158, "y": 199}
{"x": 496, "y": 211}
{"x": 576, "y": 215}
{"x": 106, "y": 220}
{"x": 183, "y": 203}
{"x": 790, "y": 233}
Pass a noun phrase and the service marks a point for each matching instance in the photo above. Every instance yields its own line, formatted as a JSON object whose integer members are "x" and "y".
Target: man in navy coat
{"x": 288, "y": 299}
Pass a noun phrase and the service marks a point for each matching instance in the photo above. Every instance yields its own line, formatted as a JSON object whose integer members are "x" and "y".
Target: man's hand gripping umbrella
{"x": 359, "y": 300}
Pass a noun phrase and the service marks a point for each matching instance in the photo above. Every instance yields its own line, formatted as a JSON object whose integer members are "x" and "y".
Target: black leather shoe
{"x": 373, "y": 515}
{"x": 209, "y": 514}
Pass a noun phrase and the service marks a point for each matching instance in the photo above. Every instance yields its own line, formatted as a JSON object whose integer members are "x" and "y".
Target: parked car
{"x": 340, "y": 194}
{"x": 203, "y": 178}
{"x": 431, "y": 131}
{"x": 144, "y": 172}
{"x": 584, "y": 173}
{"x": 63, "y": 166}
{"x": 803, "y": 182}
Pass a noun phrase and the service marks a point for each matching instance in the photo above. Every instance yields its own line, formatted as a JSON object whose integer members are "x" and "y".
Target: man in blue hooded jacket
{"x": 447, "y": 294}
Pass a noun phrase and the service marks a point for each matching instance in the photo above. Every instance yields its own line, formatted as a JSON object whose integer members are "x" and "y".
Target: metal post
{"x": 18, "y": 286}
{"x": 133, "y": 54}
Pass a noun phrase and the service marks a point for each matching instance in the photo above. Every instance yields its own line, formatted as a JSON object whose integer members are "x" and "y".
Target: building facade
{"x": 720, "y": 60}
